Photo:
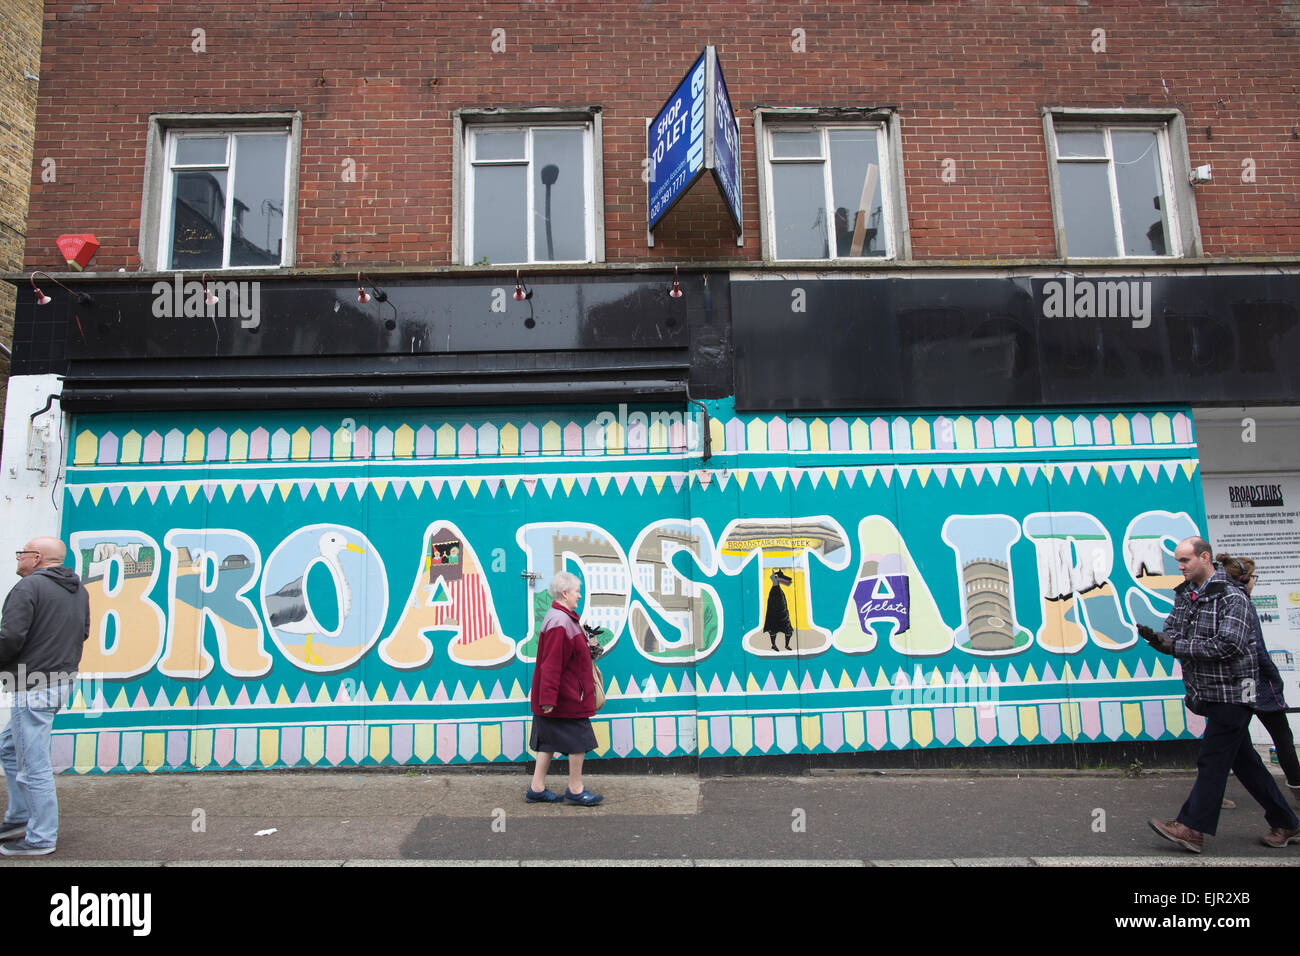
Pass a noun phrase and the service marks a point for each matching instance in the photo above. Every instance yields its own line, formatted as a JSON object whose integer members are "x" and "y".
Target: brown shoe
{"x": 1279, "y": 837}
{"x": 1183, "y": 835}
{"x": 1229, "y": 804}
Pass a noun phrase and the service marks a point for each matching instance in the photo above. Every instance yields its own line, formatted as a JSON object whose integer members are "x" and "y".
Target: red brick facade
{"x": 377, "y": 82}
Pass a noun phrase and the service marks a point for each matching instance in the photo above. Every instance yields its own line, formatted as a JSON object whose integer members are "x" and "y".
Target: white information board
{"x": 1258, "y": 516}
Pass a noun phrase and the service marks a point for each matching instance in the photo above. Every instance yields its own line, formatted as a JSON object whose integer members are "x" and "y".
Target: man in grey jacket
{"x": 45, "y": 623}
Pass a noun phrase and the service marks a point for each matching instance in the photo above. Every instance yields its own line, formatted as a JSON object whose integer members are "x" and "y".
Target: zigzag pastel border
{"x": 595, "y": 438}
{"x": 742, "y": 734}
{"x": 339, "y": 489}
{"x": 88, "y": 702}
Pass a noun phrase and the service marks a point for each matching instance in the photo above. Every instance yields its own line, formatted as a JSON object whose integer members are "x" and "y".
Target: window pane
{"x": 499, "y": 144}
{"x": 799, "y": 211}
{"x": 1081, "y": 143}
{"x": 198, "y": 220}
{"x": 1085, "y": 202}
{"x": 1141, "y": 193}
{"x": 201, "y": 151}
{"x": 859, "y": 229}
{"x": 500, "y": 210}
{"x": 800, "y": 145}
{"x": 559, "y": 172}
{"x": 256, "y": 235}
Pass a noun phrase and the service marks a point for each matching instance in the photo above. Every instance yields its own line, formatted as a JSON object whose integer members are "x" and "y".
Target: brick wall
{"x": 20, "y": 55}
{"x": 377, "y": 81}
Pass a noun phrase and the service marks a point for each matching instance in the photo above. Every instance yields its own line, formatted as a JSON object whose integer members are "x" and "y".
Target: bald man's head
{"x": 41, "y": 553}
{"x": 53, "y": 551}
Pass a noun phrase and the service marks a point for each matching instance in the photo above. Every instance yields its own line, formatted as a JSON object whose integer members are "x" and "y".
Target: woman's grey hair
{"x": 564, "y": 581}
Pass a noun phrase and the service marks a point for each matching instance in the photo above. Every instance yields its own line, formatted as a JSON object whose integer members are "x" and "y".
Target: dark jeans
{"x": 1226, "y": 747}
{"x": 1275, "y": 723}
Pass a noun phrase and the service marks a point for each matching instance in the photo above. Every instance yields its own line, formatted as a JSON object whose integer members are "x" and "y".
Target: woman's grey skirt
{"x": 562, "y": 735}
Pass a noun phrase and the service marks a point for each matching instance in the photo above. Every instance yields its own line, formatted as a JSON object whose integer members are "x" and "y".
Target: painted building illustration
{"x": 655, "y": 579}
{"x": 607, "y": 575}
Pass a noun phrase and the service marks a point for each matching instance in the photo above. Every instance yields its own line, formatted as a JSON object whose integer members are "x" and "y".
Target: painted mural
{"x": 335, "y": 590}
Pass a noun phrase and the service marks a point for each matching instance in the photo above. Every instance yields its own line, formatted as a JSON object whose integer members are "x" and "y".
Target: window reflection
{"x": 559, "y": 182}
{"x": 1112, "y": 192}
{"x": 198, "y": 224}
{"x": 855, "y": 188}
{"x": 257, "y": 232}
{"x": 1137, "y": 178}
{"x": 529, "y": 196}
{"x": 841, "y": 162}
{"x": 202, "y": 201}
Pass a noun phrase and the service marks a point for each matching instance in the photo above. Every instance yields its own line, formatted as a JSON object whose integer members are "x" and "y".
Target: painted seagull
{"x": 288, "y": 606}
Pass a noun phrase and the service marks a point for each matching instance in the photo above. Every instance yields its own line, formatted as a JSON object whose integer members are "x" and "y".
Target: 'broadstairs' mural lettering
{"x": 292, "y": 592}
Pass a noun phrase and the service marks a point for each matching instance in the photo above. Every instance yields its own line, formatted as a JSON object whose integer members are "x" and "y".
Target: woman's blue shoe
{"x": 584, "y": 799}
{"x": 541, "y": 796}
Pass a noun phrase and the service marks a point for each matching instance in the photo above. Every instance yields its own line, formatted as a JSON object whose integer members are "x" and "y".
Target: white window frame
{"x": 168, "y": 212}
{"x": 888, "y": 149}
{"x": 157, "y": 215}
{"x": 1183, "y": 236}
{"x": 468, "y": 122}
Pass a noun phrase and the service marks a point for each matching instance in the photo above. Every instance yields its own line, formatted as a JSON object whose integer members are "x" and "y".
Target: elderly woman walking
{"x": 563, "y": 696}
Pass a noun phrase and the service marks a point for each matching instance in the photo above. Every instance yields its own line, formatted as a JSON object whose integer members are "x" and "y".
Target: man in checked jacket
{"x": 1210, "y": 634}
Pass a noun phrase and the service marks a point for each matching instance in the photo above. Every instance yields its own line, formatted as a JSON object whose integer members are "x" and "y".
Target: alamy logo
{"x": 641, "y": 423}
{"x": 981, "y": 696}
{"x": 180, "y": 299}
{"x": 76, "y": 908}
{"x": 1255, "y": 496}
{"x": 1097, "y": 299}
{"x": 53, "y": 689}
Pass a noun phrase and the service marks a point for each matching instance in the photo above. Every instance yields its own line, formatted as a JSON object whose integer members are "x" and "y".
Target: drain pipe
{"x": 708, "y": 436}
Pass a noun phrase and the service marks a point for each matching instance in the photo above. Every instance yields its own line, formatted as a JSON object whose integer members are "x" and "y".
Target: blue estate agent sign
{"x": 695, "y": 131}
{"x": 675, "y": 140}
{"x": 725, "y": 151}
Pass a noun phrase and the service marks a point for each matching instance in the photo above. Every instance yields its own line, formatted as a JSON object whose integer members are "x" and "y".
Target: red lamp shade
{"x": 78, "y": 249}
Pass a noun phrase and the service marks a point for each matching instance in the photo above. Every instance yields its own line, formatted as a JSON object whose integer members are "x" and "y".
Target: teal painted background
{"x": 431, "y": 664}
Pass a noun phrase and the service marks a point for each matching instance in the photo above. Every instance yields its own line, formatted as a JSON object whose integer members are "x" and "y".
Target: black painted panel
{"x": 954, "y": 332}
{"x": 302, "y": 317}
{"x": 287, "y": 342}
{"x": 1197, "y": 339}
{"x": 963, "y": 343}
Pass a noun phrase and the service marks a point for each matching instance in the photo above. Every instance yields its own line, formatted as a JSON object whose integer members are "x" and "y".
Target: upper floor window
{"x": 530, "y": 192}
{"x": 221, "y": 191}
{"x": 829, "y": 189}
{"x": 1120, "y": 184}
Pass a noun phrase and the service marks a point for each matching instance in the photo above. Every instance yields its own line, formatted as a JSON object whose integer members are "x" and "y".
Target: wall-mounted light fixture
{"x": 363, "y": 296}
{"x": 522, "y": 292}
{"x": 676, "y": 291}
{"x": 43, "y": 299}
{"x": 209, "y": 296}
